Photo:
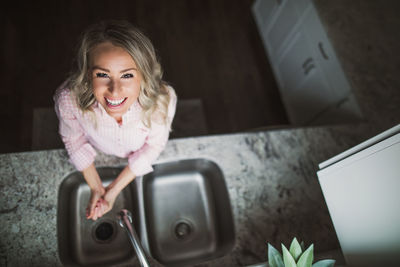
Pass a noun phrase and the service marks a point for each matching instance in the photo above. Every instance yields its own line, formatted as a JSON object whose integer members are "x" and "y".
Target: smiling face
{"x": 115, "y": 79}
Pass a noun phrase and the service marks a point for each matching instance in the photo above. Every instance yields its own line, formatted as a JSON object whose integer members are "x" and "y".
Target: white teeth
{"x": 115, "y": 102}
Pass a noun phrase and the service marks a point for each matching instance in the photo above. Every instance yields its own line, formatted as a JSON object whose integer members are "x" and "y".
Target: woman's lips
{"x": 115, "y": 103}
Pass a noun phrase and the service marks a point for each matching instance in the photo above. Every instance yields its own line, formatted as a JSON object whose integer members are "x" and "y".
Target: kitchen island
{"x": 270, "y": 176}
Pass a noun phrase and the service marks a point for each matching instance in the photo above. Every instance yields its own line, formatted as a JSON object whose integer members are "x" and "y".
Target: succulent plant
{"x": 296, "y": 256}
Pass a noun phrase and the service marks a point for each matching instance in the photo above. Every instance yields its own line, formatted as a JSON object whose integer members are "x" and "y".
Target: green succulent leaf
{"x": 303, "y": 246}
{"x": 295, "y": 249}
{"x": 306, "y": 258}
{"x": 274, "y": 257}
{"x": 287, "y": 258}
{"x": 324, "y": 263}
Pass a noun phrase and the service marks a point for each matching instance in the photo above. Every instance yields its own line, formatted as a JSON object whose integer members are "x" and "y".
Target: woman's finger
{"x": 101, "y": 208}
{"x": 106, "y": 207}
{"x": 93, "y": 205}
{"x": 95, "y": 215}
{"x": 89, "y": 212}
{"x": 99, "y": 213}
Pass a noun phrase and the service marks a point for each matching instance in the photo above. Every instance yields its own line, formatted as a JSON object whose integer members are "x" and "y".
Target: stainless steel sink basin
{"x": 187, "y": 210}
{"x": 181, "y": 212}
{"x": 85, "y": 242}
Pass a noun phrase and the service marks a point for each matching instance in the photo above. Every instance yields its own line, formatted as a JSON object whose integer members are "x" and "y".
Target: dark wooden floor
{"x": 210, "y": 49}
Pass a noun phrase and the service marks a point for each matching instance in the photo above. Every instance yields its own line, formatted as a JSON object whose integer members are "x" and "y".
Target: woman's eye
{"x": 127, "y": 75}
{"x": 101, "y": 75}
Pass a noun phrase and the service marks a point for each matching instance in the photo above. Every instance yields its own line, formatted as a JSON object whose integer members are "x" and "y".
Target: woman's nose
{"x": 114, "y": 86}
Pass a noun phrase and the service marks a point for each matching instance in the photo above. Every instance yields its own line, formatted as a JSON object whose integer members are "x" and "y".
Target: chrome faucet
{"x": 125, "y": 221}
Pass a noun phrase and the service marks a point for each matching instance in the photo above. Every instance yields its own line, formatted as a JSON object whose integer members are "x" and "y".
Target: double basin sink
{"x": 181, "y": 212}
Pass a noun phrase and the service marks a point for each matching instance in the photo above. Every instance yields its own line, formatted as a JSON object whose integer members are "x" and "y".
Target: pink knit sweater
{"x": 131, "y": 139}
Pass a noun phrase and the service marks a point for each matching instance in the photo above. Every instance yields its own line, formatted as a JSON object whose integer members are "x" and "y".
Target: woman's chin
{"x": 116, "y": 111}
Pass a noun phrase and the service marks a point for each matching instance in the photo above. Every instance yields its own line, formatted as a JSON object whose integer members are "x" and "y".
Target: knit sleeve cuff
{"x": 139, "y": 165}
{"x": 83, "y": 157}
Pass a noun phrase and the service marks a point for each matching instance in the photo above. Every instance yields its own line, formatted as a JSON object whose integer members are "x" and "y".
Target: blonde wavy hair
{"x": 153, "y": 96}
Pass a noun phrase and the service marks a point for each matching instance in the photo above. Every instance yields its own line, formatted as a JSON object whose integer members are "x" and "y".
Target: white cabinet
{"x": 361, "y": 189}
{"x": 302, "y": 81}
{"x": 264, "y": 12}
{"x": 313, "y": 86}
{"x": 276, "y": 19}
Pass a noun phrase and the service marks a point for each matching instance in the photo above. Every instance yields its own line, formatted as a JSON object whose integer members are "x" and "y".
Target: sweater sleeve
{"x": 80, "y": 151}
{"x": 140, "y": 161}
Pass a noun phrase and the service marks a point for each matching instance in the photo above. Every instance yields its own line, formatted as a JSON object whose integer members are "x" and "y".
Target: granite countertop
{"x": 270, "y": 175}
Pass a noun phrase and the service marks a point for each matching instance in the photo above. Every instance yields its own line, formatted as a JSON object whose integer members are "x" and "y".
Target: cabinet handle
{"x": 307, "y": 61}
{"x": 308, "y": 65}
{"x": 321, "y": 48}
{"x": 308, "y": 69}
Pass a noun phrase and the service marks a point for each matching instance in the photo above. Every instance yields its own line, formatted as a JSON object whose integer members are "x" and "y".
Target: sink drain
{"x": 103, "y": 232}
{"x": 183, "y": 230}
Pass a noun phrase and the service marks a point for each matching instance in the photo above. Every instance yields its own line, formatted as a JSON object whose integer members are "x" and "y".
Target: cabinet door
{"x": 362, "y": 195}
{"x": 264, "y": 11}
{"x": 313, "y": 85}
{"x": 276, "y": 20}
{"x": 344, "y": 107}
{"x": 304, "y": 89}
{"x": 301, "y": 5}
{"x": 296, "y": 63}
{"x": 280, "y": 28}
{"x": 311, "y": 98}
{"x": 324, "y": 53}
{"x": 344, "y": 111}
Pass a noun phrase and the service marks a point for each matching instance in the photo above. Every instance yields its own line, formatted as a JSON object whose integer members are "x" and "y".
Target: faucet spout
{"x": 125, "y": 221}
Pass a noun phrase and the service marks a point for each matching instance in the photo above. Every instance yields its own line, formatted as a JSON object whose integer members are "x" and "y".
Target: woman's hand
{"x": 97, "y": 191}
{"x": 102, "y": 199}
{"x": 93, "y": 207}
{"x": 106, "y": 203}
